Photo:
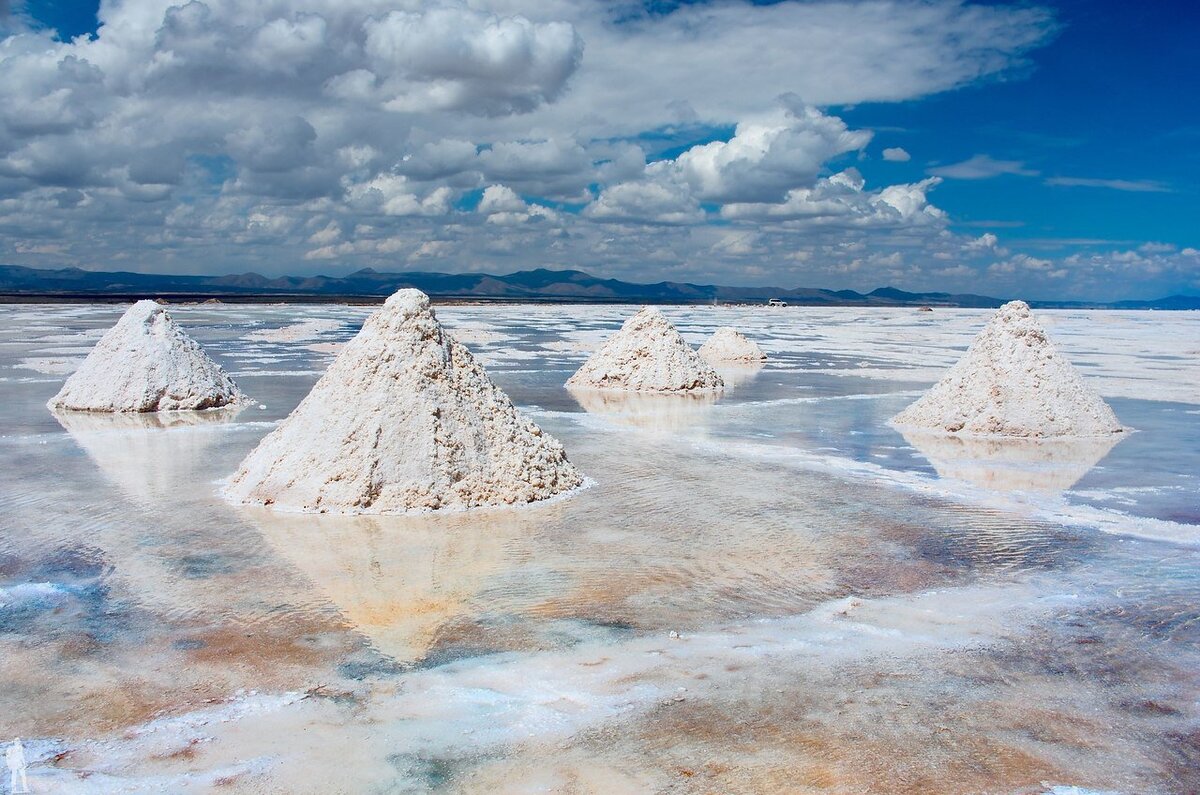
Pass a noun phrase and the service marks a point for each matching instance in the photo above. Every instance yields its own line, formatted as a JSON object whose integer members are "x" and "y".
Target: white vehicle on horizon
{"x": 776, "y": 302}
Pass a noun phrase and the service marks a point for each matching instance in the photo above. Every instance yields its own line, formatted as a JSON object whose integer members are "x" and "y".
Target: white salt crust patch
{"x": 484, "y": 705}
{"x": 296, "y": 332}
{"x": 50, "y": 365}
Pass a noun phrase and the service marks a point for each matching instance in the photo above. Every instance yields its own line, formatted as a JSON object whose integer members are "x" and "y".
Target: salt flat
{"x": 769, "y": 589}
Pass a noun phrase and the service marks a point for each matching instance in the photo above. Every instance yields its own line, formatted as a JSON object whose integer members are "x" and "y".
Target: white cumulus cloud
{"x": 464, "y": 59}
{"x": 841, "y": 200}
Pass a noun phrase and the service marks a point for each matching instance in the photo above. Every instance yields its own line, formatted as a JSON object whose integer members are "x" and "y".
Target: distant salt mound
{"x": 730, "y": 345}
{"x": 646, "y": 355}
{"x": 403, "y": 420}
{"x": 147, "y": 363}
{"x": 1012, "y": 382}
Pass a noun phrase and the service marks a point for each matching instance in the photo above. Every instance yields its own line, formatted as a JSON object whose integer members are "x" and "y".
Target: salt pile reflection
{"x": 1049, "y": 466}
{"x": 146, "y": 455}
{"x": 648, "y": 411}
{"x": 397, "y": 580}
{"x": 735, "y": 375}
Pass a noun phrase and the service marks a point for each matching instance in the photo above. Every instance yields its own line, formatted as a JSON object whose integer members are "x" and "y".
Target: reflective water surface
{"x": 766, "y": 589}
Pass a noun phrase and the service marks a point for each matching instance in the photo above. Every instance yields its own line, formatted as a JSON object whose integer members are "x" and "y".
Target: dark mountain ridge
{"x": 18, "y": 283}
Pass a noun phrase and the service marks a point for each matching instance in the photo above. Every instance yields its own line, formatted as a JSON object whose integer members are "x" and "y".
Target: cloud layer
{"x": 312, "y": 134}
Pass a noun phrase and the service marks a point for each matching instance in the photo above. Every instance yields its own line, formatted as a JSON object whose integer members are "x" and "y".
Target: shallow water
{"x": 769, "y": 591}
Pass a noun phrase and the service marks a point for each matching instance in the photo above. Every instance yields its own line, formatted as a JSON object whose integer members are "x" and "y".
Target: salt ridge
{"x": 552, "y": 695}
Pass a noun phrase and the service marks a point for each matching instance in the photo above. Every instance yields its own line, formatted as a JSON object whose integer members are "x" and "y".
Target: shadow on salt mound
{"x": 141, "y": 453}
{"x": 653, "y": 411}
{"x": 399, "y": 579}
{"x": 1047, "y": 466}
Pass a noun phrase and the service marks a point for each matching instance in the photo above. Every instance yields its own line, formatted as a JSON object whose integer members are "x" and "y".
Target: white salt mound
{"x": 646, "y": 355}
{"x": 404, "y": 419}
{"x": 730, "y": 345}
{"x": 1012, "y": 382}
{"x": 147, "y": 363}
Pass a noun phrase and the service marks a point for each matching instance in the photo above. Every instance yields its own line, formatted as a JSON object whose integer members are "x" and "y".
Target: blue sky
{"x": 1037, "y": 149}
{"x": 68, "y": 18}
{"x": 1104, "y": 100}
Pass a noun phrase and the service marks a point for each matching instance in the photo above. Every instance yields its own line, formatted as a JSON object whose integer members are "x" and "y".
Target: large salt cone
{"x": 1012, "y": 382}
{"x": 1048, "y": 466}
{"x": 730, "y": 346}
{"x": 647, "y": 354}
{"x": 405, "y": 419}
{"x": 147, "y": 363}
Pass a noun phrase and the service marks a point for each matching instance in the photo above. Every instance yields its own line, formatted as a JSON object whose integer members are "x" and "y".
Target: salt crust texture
{"x": 1012, "y": 382}
{"x": 404, "y": 420}
{"x": 647, "y": 354}
{"x": 147, "y": 363}
{"x": 730, "y": 345}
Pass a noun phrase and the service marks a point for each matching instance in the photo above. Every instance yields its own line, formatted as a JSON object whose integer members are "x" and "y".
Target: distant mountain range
{"x": 24, "y": 284}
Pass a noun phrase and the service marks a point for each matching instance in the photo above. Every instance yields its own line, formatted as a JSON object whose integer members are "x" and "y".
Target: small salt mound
{"x": 1013, "y": 382}
{"x": 730, "y": 345}
{"x": 404, "y": 419}
{"x": 147, "y": 363}
{"x": 646, "y": 355}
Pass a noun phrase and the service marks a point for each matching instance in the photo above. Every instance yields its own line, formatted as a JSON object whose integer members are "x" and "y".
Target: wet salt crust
{"x": 50, "y": 365}
{"x": 777, "y": 594}
{"x": 147, "y": 363}
{"x": 403, "y": 420}
{"x": 297, "y": 332}
{"x": 646, "y": 355}
{"x": 1012, "y": 381}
